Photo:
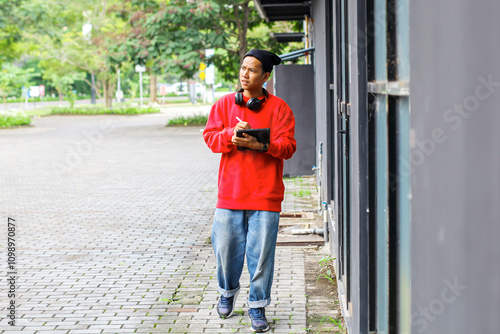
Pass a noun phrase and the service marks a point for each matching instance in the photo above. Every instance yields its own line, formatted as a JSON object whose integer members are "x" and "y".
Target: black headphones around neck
{"x": 253, "y": 103}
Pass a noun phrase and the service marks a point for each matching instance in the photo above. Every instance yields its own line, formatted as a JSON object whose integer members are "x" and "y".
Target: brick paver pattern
{"x": 112, "y": 219}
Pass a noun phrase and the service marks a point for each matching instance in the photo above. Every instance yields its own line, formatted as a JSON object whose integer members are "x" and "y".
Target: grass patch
{"x": 175, "y": 101}
{"x": 190, "y": 120}
{"x": 103, "y": 110}
{"x": 239, "y": 311}
{"x": 333, "y": 321}
{"x": 7, "y": 121}
{"x": 326, "y": 264}
{"x": 179, "y": 101}
{"x": 302, "y": 193}
{"x": 38, "y": 112}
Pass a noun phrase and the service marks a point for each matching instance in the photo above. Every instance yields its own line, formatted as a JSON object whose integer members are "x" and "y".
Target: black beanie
{"x": 268, "y": 59}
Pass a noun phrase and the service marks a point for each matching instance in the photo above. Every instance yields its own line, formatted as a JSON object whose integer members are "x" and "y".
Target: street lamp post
{"x": 86, "y": 31}
{"x": 140, "y": 69}
{"x": 119, "y": 93}
{"x": 92, "y": 89}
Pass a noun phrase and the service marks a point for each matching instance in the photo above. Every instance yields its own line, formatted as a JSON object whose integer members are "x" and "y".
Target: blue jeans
{"x": 236, "y": 232}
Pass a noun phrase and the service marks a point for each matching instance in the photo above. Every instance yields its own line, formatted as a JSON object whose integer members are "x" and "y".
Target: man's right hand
{"x": 241, "y": 126}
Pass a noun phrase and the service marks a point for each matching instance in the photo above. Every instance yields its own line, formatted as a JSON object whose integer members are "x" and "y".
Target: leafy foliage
{"x": 62, "y": 76}
{"x": 169, "y": 37}
{"x": 189, "y": 120}
{"x": 326, "y": 264}
{"x": 13, "y": 120}
{"x": 101, "y": 110}
{"x": 173, "y": 36}
{"x": 12, "y": 78}
{"x": 10, "y": 32}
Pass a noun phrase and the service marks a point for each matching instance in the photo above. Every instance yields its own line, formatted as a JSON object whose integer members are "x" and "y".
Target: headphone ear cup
{"x": 254, "y": 104}
{"x": 238, "y": 98}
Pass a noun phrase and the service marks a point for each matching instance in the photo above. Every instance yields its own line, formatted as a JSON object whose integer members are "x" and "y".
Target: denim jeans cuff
{"x": 228, "y": 293}
{"x": 259, "y": 303}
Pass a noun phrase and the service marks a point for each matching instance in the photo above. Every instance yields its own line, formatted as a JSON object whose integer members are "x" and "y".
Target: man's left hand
{"x": 247, "y": 141}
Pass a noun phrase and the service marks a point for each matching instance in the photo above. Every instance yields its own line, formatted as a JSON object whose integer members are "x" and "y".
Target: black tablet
{"x": 262, "y": 135}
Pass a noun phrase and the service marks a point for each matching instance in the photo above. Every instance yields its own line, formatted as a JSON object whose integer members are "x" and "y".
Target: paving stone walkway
{"x": 112, "y": 216}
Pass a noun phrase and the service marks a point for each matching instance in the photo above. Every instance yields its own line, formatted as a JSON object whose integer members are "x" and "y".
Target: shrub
{"x": 103, "y": 110}
{"x": 14, "y": 120}
{"x": 189, "y": 120}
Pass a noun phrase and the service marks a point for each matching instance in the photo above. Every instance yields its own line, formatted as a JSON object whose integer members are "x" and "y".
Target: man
{"x": 250, "y": 185}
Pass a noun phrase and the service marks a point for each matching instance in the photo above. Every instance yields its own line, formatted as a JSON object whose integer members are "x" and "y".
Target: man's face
{"x": 252, "y": 75}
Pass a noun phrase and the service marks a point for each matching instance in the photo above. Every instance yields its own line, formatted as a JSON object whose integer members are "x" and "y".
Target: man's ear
{"x": 266, "y": 76}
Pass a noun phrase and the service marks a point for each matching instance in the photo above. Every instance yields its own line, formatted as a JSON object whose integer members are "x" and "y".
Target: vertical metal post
{"x": 140, "y": 81}
{"x": 26, "y": 99}
{"x": 118, "y": 90}
{"x": 92, "y": 89}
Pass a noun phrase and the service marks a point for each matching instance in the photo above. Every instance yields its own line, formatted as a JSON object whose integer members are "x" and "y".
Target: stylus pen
{"x": 238, "y": 119}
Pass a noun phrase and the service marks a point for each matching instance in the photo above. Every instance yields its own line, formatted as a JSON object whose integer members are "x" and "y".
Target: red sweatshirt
{"x": 251, "y": 180}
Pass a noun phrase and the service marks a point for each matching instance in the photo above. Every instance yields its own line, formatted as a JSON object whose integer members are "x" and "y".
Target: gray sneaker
{"x": 258, "y": 318}
{"x": 225, "y": 308}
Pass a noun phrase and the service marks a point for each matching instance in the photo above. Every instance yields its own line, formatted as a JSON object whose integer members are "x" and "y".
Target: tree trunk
{"x": 97, "y": 92}
{"x": 242, "y": 26}
{"x": 5, "y": 103}
{"x": 152, "y": 87}
{"x": 98, "y": 84}
{"x": 108, "y": 92}
{"x": 60, "y": 96}
{"x": 105, "y": 91}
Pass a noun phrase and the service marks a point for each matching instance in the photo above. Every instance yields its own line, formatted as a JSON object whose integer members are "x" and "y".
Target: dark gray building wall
{"x": 455, "y": 138}
{"x": 455, "y": 162}
{"x": 358, "y": 168}
{"x": 322, "y": 80}
{"x": 295, "y": 85}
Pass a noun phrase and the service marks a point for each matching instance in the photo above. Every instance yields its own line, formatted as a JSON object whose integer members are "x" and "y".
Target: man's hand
{"x": 241, "y": 126}
{"x": 247, "y": 141}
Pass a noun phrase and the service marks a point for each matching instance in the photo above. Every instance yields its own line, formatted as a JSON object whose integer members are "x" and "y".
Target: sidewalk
{"x": 323, "y": 310}
{"x": 112, "y": 219}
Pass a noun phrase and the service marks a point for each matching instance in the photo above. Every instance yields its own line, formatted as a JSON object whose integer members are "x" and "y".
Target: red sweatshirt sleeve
{"x": 216, "y": 135}
{"x": 283, "y": 144}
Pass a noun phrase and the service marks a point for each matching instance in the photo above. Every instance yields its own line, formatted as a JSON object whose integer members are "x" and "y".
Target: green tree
{"x": 171, "y": 37}
{"x": 8, "y": 75}
{"x": 55, "y": 32}
{"x": 159, "y": 40}
{"x": 10, "y": 31}
{"x": 61, "y": 76}
{"x": 167, "y": 36}
{"x": 136, "y": 46}
{"x": 109, "y": 32}
{"x": 12, "y": 78}
{"x": 243, "y": 29}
